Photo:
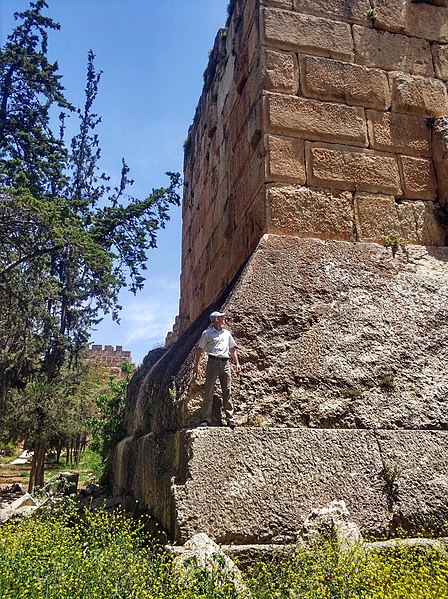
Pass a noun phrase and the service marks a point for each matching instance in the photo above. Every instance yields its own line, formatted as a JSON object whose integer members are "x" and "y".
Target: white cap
{"x": 214, "y": 315}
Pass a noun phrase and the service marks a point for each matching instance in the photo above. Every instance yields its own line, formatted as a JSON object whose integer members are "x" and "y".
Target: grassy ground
{"x": 73, "y": 553}
{"x": 88, "y": 468}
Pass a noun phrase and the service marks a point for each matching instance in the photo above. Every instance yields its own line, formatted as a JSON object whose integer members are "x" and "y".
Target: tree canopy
{"x": 69, "y": 241}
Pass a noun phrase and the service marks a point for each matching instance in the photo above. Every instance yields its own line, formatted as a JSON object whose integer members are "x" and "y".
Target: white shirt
{"x": 217, "y": 343}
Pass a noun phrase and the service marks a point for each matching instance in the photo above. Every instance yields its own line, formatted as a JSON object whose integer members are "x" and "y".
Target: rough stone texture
{"x": 440, "y": 136}
{"x": 377, "y": 218}
{"x": 399, "y": 133}
{"x": 331, "y": 522}
{"x": 418, "y": 95}
{"x": 308, "y": 212}
{"x": 340, "y": 10}
{"x": 201, "y": 552}
{"x": 440, "y": 54}
{"x": 313, "y": 71}
{"x": 319, "y": 131}
{"x": 264, "y": 484}
{"x": 380, "y": 219}
{"x": 314, "y": 120}
{"x": 419, "y": 180}
{"x": 280, "y": 71}
{"x": 426, "y": 21}
{"x": 392, "y": 52}
{"x": 343, "y": 335}
{"x": 285, "y": 159}
{"x": 356, "y": 85}
{"x": 304, "y": 33}
{"x": 423, "y": 223}
{"x": 345, "y": 167}
{"x": 420, "y": 19}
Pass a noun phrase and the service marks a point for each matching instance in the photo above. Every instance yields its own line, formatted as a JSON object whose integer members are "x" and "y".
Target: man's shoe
{"x": 231, "y": 424}
{"x": 204, "y": 423}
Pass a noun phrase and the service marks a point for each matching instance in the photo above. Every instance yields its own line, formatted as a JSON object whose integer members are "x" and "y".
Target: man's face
{"x": 218, "y": 322}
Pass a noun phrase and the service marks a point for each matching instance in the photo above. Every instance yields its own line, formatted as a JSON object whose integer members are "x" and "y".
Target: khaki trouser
{"x": 217, "y": 369}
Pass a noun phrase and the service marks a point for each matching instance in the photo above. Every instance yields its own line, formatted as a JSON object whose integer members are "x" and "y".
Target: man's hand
{"x": 197, "y": 359}
{"x": 234, "y": 358}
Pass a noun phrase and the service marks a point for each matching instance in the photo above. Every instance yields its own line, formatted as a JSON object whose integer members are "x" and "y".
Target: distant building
{"x": 111, "y": 359}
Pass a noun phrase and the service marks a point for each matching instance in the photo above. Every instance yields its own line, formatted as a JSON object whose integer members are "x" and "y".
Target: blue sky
{"x": 152, "y": 54}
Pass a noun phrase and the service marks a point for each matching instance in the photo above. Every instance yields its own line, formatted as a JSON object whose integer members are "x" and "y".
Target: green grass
{"x": 71, "y": 553}
{"x": 90, "y": 468}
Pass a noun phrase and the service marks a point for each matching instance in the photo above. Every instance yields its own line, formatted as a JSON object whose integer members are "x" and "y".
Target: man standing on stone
{"x": 220, "y": 346}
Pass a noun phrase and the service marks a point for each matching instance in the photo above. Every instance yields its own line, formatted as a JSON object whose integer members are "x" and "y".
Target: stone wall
{"x": 317, "y": 119}
{"x": 111, "y": 358}
{"x": 314, "y": 214}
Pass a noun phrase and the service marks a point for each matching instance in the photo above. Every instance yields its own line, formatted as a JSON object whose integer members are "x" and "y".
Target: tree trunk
{"x": 37, "y": 466}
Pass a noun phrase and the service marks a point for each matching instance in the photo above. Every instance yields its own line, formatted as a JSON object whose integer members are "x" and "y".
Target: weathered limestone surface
{"x": 327, "y": 79}
{"x": 315, "y": 213}
{"x": 287, "y": 73}
{"x": 266, "y": 481}
{"x": 343, "y": 335}
{"x": 441, "y": 158}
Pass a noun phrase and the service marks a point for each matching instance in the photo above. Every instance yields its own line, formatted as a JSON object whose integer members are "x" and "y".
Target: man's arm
{"x": 234, "y": 358}
{"x": 197, "y": 358}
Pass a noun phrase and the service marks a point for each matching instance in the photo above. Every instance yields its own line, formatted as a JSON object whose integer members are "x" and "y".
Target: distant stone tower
{"x": 315, "y": 214}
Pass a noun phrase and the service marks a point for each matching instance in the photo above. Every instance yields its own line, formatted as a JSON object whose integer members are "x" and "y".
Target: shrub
{"x": 69, "y": 552}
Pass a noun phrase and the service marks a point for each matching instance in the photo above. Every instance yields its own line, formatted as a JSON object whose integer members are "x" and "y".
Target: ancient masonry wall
{"x": 111, "y": 358}
{"x": 318, "y": 119}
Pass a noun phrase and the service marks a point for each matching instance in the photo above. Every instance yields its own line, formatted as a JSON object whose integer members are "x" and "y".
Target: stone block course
{"x": 285, "y": 159}
{"x": 351, "y": 168}
{"x": 426, "y": 21}
{"x": 392, "y": 52}
{"x": 418, "y": 95}
{"x": 414, "y": 19}
{"x": 280, "y": 71}
{"x": 177, "y": 475}
{"x": 440, "y": 55}
{"x": 355, "y": 11}
{"x": 418, "y": 178}
{"x": 314, "y": 120}
{"x": 390, "y": 15}
{"x": 305, "y": 33}
{"x": 440, "y": 156}
{"x": 399, "y": 133}
{"x": 422, "y": 223}
{"x": 376, "y": 217}
{"x": 327, "y": 79}
{"x": 307, "y": 212}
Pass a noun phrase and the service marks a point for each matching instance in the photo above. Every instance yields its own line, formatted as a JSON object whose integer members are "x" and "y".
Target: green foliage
{"x": 387, "y": 381}
{"x": 108, "y": 426}
{"x": 31, "y": 156}
{"x": 322, "y": 571}
{"x": 395, "y": 242}
{"x": 351, "y": 393}
{"x": 67, "y": 552}
{"x": 372, "y": 14}
{"x": 68, "y": 241}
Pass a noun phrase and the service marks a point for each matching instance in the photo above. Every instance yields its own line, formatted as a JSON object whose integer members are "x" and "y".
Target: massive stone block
{"x": 399, "y": 133}
{"x": 440, "y": 132}
{"x": 315, "y": 214}
{"x": 315, "y": 120}
{"x": 303, "y": 33}
{"x": 356, "y": 85}
{"x": 418, "y": 95}
{"x": 345, "y": 167}
{"x": 331, "y": 334}
{"x": 265, "y": 482}
{"x": 392, "y": 52}
{"x": 340, "y": 10}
